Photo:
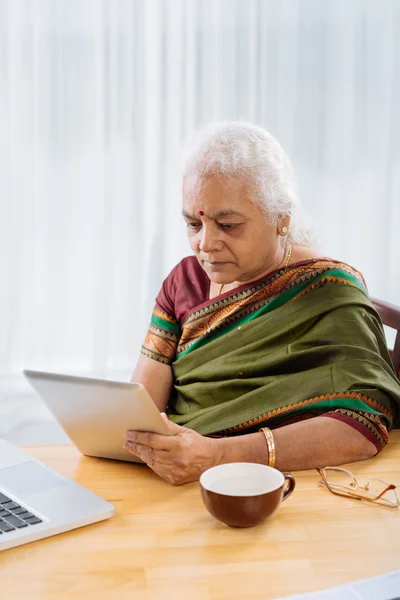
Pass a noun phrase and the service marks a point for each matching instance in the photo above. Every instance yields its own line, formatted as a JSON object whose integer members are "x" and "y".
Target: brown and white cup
{"x": 244, "y": 494}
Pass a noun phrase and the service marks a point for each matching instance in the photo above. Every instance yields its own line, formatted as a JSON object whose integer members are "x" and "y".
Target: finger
{"x": 154, "y": 440}
{"x": 160, "y": 462}
{"x": 173, "y": 427}
{"x": 147, "y": 454}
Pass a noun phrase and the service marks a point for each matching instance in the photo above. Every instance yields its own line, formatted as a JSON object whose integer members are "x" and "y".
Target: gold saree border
{"x": 160, "y": 345}
{"x": 166, "y": 341}
{"x": 239, "y": 305}
{"x": 278, "y": 412}
{"x": 157, "y": 312}
{"x": 326, "y": 279}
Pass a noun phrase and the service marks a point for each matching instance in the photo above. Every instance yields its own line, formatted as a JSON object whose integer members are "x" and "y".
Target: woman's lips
{"x": 215, "y": 265}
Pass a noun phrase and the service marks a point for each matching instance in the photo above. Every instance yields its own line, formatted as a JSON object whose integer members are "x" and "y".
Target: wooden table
{"x": 162, "y": 544}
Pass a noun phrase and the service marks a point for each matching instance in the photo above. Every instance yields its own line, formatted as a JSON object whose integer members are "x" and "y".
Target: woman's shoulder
{"x": 188, "y": 269}
{"x": 333, "y": 264}
{"x": 186, "y": 286}
{"x": 330, "y": 269}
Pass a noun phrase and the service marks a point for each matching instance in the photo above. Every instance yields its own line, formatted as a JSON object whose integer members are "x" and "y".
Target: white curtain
{"x": 96, "y": 99}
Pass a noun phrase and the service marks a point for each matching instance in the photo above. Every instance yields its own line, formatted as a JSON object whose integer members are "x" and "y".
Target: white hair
{"x": 239, "y": 150}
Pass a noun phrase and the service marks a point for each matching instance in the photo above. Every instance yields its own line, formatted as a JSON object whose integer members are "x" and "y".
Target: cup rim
{"x": 208, "y": 484}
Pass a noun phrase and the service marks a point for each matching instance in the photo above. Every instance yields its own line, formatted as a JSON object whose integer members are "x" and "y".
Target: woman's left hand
{"x": 178, "y": 458}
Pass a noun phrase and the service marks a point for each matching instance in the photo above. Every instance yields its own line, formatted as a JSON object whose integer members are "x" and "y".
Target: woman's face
{"x": 228, "y": 232}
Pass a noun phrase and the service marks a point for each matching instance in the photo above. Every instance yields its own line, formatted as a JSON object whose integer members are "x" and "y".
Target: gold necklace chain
{"x": 289, "y": 256}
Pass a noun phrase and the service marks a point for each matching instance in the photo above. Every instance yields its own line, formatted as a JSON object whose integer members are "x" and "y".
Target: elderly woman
{"x": 259, "y": 349}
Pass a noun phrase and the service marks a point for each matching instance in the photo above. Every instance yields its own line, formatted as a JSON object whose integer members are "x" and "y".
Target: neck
{"x": 283, "y": 261}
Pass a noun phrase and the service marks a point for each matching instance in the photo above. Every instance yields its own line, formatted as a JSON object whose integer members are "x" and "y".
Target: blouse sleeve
{"x": 164, "y": 332}
{"x": 371, "y": 426}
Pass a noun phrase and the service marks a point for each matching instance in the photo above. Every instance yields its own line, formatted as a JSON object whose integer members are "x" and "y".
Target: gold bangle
{"x": 271, "y": 446}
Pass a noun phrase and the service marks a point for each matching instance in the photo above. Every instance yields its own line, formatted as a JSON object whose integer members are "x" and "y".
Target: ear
{"x": 283, "y": 225}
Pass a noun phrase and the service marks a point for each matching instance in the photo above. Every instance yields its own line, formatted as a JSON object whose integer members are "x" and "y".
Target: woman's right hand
{"x": 178, "y": 458}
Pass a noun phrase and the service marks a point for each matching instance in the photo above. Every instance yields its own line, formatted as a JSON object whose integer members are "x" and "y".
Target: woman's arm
{"x": 157, "y": 379}
{"x": 319, "y": 441}
{"x": 182, "y": 457}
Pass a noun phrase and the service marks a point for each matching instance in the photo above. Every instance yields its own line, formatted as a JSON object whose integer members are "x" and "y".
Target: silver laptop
{"x": 95, "y": 413}
{"x": 36, "y": 502}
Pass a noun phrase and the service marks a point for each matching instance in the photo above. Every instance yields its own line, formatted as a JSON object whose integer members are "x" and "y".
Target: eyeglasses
{"x": 342, "y": 482}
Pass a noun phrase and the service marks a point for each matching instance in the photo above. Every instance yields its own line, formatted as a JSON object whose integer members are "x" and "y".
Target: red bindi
{"x": 201, "y": 213}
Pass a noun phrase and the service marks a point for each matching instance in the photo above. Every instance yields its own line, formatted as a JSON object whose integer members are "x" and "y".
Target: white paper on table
{"x": 382, "y": 587}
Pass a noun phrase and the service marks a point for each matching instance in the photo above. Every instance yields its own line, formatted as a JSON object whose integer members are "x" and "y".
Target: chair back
{"x": 390, "y": 315}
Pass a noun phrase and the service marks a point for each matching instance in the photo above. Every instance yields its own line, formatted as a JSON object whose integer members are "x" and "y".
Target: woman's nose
{"x": 209, "y": 241}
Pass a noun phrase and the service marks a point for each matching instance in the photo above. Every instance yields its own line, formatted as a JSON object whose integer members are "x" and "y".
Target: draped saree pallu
{"x": 303, "y": 342}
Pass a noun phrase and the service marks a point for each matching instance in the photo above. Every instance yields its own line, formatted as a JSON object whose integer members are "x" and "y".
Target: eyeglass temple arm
{"x": 387, "y": 488}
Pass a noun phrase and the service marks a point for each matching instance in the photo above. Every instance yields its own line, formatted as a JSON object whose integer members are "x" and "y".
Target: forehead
{"x": 213, "y": 193}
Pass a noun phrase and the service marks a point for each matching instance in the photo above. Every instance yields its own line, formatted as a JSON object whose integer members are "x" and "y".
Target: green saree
{"x": 305, "y": 341}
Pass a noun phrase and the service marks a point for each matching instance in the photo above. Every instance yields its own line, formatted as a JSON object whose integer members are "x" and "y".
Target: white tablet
{"x": 95, "y": 413}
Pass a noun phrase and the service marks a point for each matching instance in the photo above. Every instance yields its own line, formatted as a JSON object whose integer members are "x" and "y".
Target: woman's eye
{"x": 228, "y": 225}
{"x": 192, "y": 225}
